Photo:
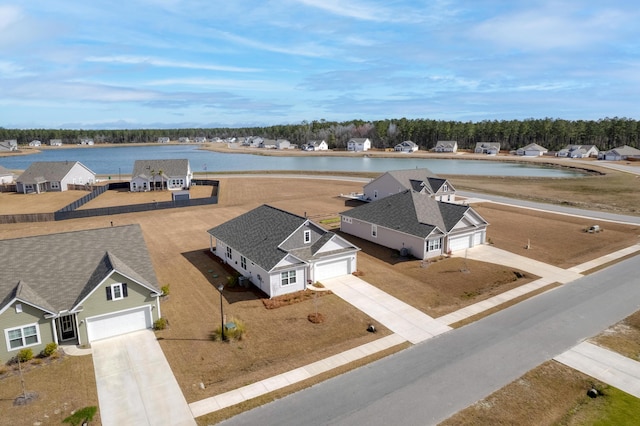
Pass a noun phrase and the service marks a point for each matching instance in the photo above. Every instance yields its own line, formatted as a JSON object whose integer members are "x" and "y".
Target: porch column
{"x": 55, "y": 330}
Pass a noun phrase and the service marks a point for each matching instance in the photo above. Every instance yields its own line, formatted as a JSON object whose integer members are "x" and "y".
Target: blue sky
{"x": 208, "y": 63}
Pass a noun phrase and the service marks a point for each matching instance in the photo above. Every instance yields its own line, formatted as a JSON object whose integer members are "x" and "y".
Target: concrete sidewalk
{"x": 605, "y": 259}
{"x": 135, "y": 383}
{"x": 604, "y": 365}
{"x": 396, "y": 315}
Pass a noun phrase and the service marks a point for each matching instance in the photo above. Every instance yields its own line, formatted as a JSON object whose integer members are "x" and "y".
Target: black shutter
{"x": 108, "y": 292}
{"x": 124, "y": 290}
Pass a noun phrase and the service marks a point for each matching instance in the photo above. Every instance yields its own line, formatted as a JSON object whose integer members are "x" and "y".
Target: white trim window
{"x": 374, "y": 231}
{"x": 288, "y": 278}
{"x": 117, "y": 291}
{"x": 229, "y": 253}
{"x": 22, "y": 337}
{"x": 307, "y": 236}
{"x": 243, "y": 262}
{"x": 435, "y": 244}
{"x": 346, "y": 219}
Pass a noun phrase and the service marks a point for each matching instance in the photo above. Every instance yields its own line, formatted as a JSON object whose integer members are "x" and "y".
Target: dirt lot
{"x": 281, "y": 339}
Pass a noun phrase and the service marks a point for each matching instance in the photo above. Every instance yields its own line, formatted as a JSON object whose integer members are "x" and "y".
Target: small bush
{"x": 49, "y": 349}
{"x": 232, "y": 280}
{"x": 160, "y": 324}
{"x": 25, "y": 355}
{"x": 165, "y": 290}
{"x": 235, "y": 333}
{"x": 81, "y": 416}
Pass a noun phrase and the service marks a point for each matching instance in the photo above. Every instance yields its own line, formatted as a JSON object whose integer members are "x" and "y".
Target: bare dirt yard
{"x": 276, "y": 340}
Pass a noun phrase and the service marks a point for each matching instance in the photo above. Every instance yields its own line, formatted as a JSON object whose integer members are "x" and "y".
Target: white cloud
{"x": 147, "y": 60}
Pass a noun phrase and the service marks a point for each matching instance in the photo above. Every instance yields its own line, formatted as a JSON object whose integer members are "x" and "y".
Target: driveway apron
{"x": 135, "y": 383}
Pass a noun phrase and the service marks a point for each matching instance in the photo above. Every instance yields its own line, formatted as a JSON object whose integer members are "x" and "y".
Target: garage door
{"x": 459, "y": 243}
{"x": 332, "y": 269}
{"x": 477, "y": 238}
{"x": 117, "y": 323}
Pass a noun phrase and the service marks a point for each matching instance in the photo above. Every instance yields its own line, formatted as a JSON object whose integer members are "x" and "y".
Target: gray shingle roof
{"x": 172, "y": 167}
{"x": 410, "y": 212}
{"x": 621, "y": 150}
{"x": 47, "y": 171}
{"x": 259, "y": 235}
{"x": 5, "y": 172}
{"x": 415, "y": 178}
{"x": 60, "y": 269}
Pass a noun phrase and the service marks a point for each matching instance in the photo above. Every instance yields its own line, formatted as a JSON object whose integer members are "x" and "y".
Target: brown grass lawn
{"x": 47, "y": 202}
{"x": 556, "y": 239}
{"x": 277, "y": 340}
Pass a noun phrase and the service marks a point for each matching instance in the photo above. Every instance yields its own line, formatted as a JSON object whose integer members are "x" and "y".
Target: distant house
{"x": 446, "y": 146}
{"x": 620, "y": 153}
{"x": 280, "y": 252}
{"x": 35, "y": 143}
{"x": 253, "y": 141}
{"x": 170, "y": 174}
{"x": 416, "y": 224}
{"x": 201, "y": 139}
{"x": 183, "y": 139}
{"x": 406, "y": 146}
{"x": 578, "y": 151}
{"x": 420, "y": 180}
{"x": 9, "y": 145}
{"x": 86, "y": 141}
{"x": 488, "y": 148}
{"x": 358, "y": 144}
{"x": 75, "y": 288}
{"x": 283, "y": 144}
{"x": 53, "y": 176}
{"x": 6, "y": 176}
{"x": 163, "y": 139}
{"x": 532, "y": 150}
{"x": 55, "y": 142}
{"x": 315, "y": 146}
{"x": 267, "y": 143}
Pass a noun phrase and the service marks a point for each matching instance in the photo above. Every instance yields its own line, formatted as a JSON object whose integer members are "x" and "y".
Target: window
{"x": 22, "y": 337}
{"x": 243, "y": 262}
{"x": 374, "y": 231}
{"x": 307, "y": 236}
{"x": 117, "y": 291}
{"x": 445, "y": 188}
{"x": 375, "y": 194}
{"x": 229, "y": 252}
{"x": 288, "y": 277}
{"x": 434, "y": 245}
{"x": 346, "y": 219}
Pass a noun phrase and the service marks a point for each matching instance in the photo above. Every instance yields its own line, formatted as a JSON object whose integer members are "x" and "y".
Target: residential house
{"x": 320, "y": 145}
{"x": 201, "y": 139}
{"x": 148, "y": 175}
{"x": 416, "y": 224}
{"x": 75, "y": 288}
{"x": 620, "y": 153}
{"x": 183, "y": 139}
{"x": 6, "y": 176}
{"x": 267, "y": 143}
{"x": 283, "y": 144}
{"x": 419, "y": 180}
{"x": 9, "y": 145}
{"x": 489, "y": 148}
{"x": 578, "y": 151}
{"x": 446, "y": 146}
{"x": 532, "y": 150}
{"x": 358, "y": 144}
{"x": 254, "y": 141}
{"x": 46, "y": 176}
{"x": 35, "y": 143}
{"x": 86, "y": 141}
{"x": 406, "y": 146}
{"x": 55, "y": 142}
{"x": 163, "y": 139}
{"x": 280, "y": 252}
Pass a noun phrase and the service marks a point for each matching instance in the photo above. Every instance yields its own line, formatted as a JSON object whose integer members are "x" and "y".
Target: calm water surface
{"x": 115, "y": 160}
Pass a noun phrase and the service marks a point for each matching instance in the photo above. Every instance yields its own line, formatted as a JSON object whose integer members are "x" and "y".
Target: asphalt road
{"x": 431, "y": 381}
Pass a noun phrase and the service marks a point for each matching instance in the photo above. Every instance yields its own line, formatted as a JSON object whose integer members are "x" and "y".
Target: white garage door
{"x": 477, "y": 238}
{"x": 117, "y": 323}
{"x": 459, "y": 243}
{"x": 332, "y": 269}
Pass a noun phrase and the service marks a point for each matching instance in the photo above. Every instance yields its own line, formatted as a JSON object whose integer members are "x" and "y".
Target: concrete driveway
{"x": 135, "y": 383}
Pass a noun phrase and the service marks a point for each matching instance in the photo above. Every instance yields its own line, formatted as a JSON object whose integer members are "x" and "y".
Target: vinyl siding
{"x": 11, "y": 319}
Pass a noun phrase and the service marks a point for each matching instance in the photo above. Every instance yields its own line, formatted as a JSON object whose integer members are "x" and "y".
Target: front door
{"x": 67, "y": 327}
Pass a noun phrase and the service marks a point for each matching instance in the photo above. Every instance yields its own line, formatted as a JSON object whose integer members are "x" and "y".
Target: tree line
{"x": 553, "y": 134}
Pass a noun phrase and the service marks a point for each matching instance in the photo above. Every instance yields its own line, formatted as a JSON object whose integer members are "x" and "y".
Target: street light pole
{"x": 220, "y": 288}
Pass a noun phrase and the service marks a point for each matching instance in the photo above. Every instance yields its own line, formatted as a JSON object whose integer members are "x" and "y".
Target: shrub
{"x": 49, "y": 349}
{"x": 82, "y": 416}
{"x": 232, "y": 280}
{"x": 235, "y": 333}
{"x": 25, "y": 355}
{"x": 165, "y": 290}
{"x": 160, "y": 324}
